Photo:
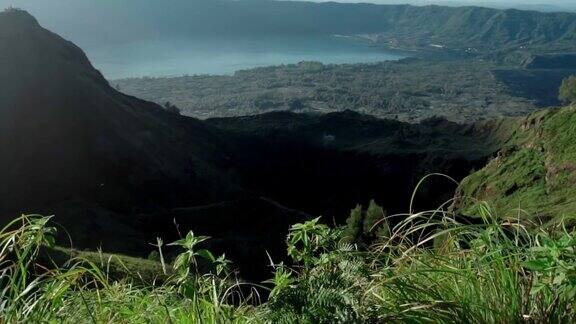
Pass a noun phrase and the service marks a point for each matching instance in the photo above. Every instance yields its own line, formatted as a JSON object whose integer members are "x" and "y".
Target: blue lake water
{"x": 158, "y": 58}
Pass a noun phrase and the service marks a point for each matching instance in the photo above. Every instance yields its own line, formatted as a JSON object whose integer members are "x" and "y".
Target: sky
{"x": 561, "y": 4}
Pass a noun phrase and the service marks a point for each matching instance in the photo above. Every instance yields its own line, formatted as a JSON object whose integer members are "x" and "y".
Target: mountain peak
{"x": 37, "y": 61}
{"x": 54, "y": 106}
{"x": 16, "y": 18}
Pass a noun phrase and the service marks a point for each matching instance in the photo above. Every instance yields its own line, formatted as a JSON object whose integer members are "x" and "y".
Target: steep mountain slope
{"x": 116, "y": 171}
{"x": 484, "y": 29}
{"x": 62, "y": 123}
{"x": 108, "y": 165}
{"x": 534, "y": 175}
{"x": 404, "y": 25}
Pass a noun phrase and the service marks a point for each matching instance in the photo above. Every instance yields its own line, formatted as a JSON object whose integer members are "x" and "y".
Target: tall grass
{"x": 472, "y": 274}
{"x": 427, "y": 269}
{"x": 81, "y": 291}
{"x": 432, "y": 269}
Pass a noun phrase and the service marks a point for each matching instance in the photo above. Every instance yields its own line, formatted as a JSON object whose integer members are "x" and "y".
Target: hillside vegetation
{"x": 534, "y": 173}
{"x": 494, "y": 272}
{"x": 112, "y": 167}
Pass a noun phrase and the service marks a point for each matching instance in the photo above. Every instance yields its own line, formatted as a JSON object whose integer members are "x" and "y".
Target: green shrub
{"x": 81, "y": 291}
{"x": 325, "y": 286}
{"x": 154, "y": 256}
{"x": 500, "y": 271}
{"x": 568, "y": 90}
{"x": 364, "y": 227}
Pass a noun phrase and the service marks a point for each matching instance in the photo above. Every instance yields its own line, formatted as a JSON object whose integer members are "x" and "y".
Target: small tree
{"x": 568, "y": 90}
{"x": 365, "y": 227}
{"x": 354, "y": 225}
{"x": 375, "y": 224}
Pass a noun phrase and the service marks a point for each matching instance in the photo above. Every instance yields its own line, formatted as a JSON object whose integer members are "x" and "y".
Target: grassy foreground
{"x": 426, "y": 268}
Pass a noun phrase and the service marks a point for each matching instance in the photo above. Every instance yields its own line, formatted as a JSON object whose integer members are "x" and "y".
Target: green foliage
{"x": 308, "y": 240}
{"x": 533, "y": 174}
{"x": 365, "y": 227}
{"x": 282, "y": 280}
{"x": 568, "y": 90}
{"x": 187, "y": 259}
{"x": 326, "y": 289}
{"x": 553, "y": 267}
{"x": 154, "y": 256}
{"x": 19, "y": 247}
{"x": 494, "y": 272}
{"x": 354, "y": 225}
{"x": 82, "y": 291}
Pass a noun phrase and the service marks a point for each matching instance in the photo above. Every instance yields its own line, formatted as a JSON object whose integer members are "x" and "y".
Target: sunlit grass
{"x": 428, "y": 268}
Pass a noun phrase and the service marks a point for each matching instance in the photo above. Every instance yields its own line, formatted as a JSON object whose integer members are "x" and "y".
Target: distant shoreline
{"x": 174, "y": 58}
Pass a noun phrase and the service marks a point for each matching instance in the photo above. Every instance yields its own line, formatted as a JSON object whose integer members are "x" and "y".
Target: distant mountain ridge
{"x": 482, "y": 29}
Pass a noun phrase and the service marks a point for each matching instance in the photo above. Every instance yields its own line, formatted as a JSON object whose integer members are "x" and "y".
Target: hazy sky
{"x": 494, "y": 3}
{"x": 501, "y": 2}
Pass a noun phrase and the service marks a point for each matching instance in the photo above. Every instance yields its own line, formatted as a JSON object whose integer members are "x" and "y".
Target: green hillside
{"x": 534, "y": 173}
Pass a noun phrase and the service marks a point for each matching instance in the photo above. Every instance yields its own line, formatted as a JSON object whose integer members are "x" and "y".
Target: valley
{"x": 376, "y": 186}
{"x": 118, "y": 171}
{"x": 314, "y": 128}
{"x": 462, "y": 90}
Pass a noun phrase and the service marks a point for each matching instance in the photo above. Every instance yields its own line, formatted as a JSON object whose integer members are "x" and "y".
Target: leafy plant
{"x": 187, "y": 259}
{"x": 497, "y": 271}
{"x": 80, "y": 290}
{"x": 307, "y": 240}
{"x": 283, "y": 279}
{"x": 553, "y": 265}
